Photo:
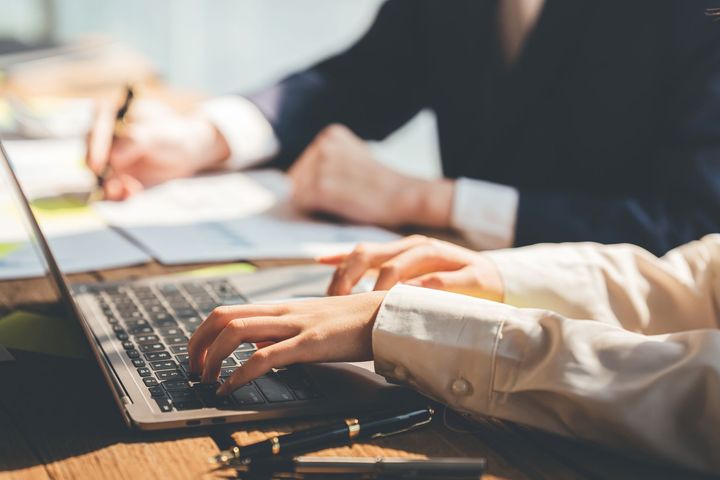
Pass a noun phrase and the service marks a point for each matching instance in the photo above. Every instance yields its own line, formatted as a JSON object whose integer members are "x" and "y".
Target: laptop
{"x": 138, "y": 331}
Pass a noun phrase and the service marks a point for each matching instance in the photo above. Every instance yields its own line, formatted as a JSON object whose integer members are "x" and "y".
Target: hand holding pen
{"x": 139, "y": 143}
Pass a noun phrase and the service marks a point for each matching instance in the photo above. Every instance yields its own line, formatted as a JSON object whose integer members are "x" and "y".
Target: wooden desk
{"x": 58, "y": 420}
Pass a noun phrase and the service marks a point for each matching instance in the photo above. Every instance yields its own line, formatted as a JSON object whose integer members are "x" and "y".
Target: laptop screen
{"x": 28, "y": 274}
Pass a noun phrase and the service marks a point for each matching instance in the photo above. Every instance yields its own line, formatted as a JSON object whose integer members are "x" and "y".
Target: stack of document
{"x": 210, "y": 218}
{"x": 51, "y": 173}
{"x": 229, "y": 217}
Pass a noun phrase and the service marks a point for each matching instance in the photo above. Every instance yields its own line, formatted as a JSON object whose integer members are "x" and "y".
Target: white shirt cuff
{"x": 246, "y": 130}
{"x": 421, "y": 338}
{"x": 485, "y": 213}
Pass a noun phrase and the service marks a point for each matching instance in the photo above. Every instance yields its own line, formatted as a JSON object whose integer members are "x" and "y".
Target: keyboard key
{"x": 163, "y": 375}
{"x": 164, "y": 404}
{"x": 118, "y": 329}
{"x": 174, "y": 385}
{"x": 274, "y": 390}
{"x": 228, "y": 362}
{"x": 179, "y": 349}
{"x": 132, "y": 315}
{"x": 188, "y": 405}
{"x": 247, "y": 395}
{"x": 128, "y": 345}
{"x": 168, "y": 322}
{"x": 138, "y": 362}
{"x": 137, "y": 323}
{"x": 184, "y": 313}
{"x": 122, "y": 336}
{"x": 176, "y": 340}
{"x": 226, "y": 372}
{"x": 206, "y": 392}
{"x": 243, "y": 347}
{"x": 150, "y": 382}
{"x": 133, "y": 354}
{"x": 243, "y": 355}
{"x": 152, "y": 347}
{"x": 147, "y": 339}
{"x": 172, "y": 332}
{"x": 191, "y": 321}
{"x": 164, "y": 365}
{"x": 157, "y": 391}
{"x": 159, "y": 316}
{"x": 155, "y": 356}
{"x": 144, "y": 372}
{"x": 142, "y": 330}
{"x": 305, "y": 394}
{"x": 206, "y": 387}
{"x": 182, "y": 358}
{"x": 187, "y": 394}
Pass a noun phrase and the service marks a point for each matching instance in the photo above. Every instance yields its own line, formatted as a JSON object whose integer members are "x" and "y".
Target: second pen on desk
{"x": 347, "y": 430}
{"x": 118, "y": 130}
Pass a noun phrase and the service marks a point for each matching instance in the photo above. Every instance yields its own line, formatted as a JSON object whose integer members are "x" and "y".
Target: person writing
{"x": 604, "y": 343}
{"x": 565, "y": 120}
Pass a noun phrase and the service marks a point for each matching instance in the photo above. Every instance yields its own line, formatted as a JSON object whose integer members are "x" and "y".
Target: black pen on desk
{"x": 345, "y": 431}
{"x": 372, "y": 467}
{"x": 118, "y": 130}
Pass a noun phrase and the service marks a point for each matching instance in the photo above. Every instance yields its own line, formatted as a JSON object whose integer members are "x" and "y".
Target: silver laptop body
{"x": 319, "y": 389}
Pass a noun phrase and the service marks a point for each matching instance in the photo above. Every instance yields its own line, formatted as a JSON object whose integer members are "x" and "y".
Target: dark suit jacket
{"x": 609, "y": 124}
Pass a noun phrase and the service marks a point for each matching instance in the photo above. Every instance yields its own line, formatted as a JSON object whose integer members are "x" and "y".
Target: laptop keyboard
{"x": 153, "y": 324}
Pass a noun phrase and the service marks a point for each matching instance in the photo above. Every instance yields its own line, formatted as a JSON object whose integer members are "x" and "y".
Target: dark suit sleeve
{"x": 373, "y": 87}
{"x": 685, "y": 204}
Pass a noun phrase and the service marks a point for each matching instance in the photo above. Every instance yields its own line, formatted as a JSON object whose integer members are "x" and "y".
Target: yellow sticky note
{"x": 8, "y": 248}
{"x": 60, "y": 206}
{"x": 38, "y": 333}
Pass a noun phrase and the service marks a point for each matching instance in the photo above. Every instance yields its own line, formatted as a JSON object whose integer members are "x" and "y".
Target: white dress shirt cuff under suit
{"x": 637, "y": 368}
{"x": 246, "y": 130}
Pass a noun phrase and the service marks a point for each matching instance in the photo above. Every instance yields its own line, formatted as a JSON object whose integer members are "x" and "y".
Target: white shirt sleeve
{"x": 650, "y": 395}
{"x": 652, "y": 391}
{"x": 485, "y": 213}
{"x": 246, "y": 130}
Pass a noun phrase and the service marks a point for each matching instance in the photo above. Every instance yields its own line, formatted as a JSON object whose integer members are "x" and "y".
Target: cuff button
{"x": 461, "y": 387}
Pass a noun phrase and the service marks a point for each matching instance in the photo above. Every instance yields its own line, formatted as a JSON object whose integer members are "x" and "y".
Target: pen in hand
{"x": 118, "y": 130}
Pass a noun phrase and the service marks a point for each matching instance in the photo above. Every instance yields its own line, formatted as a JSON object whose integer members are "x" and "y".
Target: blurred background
{"x": 193, "y": 46}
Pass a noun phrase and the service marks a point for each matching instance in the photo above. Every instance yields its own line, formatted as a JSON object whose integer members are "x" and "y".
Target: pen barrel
{"x": 293, "y": 443}
{"x": 341, "y": 432}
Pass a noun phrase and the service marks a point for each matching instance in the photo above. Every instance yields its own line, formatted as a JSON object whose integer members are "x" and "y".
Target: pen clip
{"x": 406, "y": 429}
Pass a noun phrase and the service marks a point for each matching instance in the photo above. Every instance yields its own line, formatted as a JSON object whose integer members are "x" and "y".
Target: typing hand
{"x": 327, "y": 330}
{"x": 337, "y": 174}
{"x": 418, "y": 261}
{"x": 158, "y": 144}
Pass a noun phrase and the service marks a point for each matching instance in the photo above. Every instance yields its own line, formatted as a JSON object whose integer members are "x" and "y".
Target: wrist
{"x": 216, "y": 150}
{"x": 429, "y": 203}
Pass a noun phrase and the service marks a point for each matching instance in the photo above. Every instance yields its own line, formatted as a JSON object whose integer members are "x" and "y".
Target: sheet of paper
{"x": 78, "y": 237}
{"x": 50, "y": 167}
{"x": 229, "y": 217}
{"x": 52, "y": 173}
